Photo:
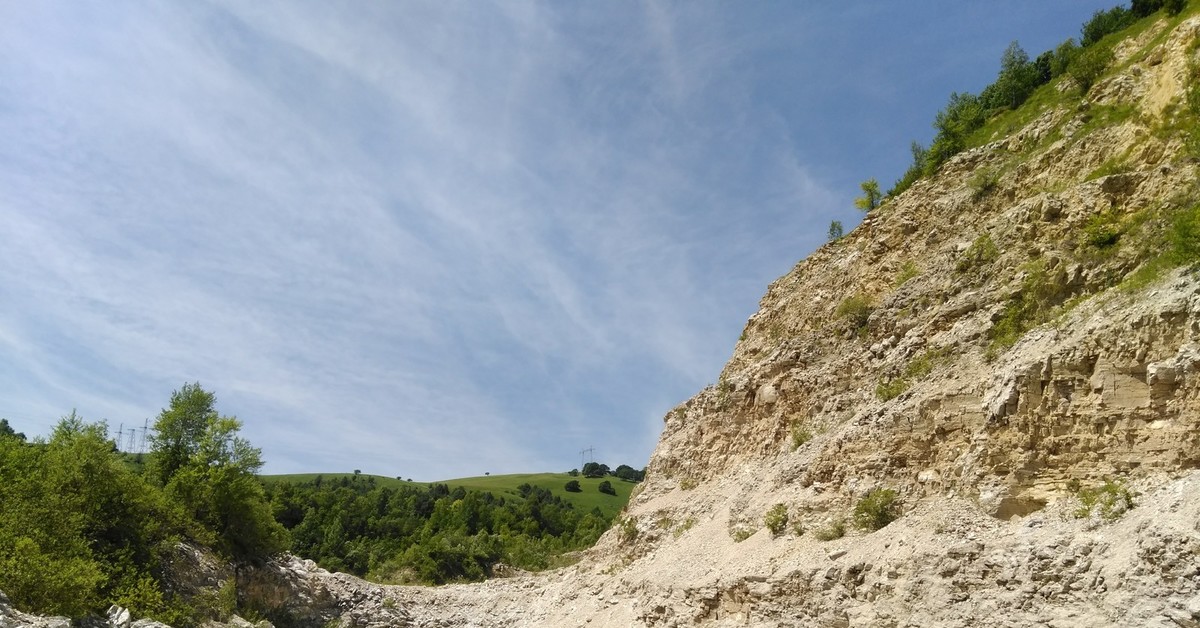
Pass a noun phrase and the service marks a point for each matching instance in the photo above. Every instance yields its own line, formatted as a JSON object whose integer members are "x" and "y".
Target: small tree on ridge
{"x": 871, "y": 195}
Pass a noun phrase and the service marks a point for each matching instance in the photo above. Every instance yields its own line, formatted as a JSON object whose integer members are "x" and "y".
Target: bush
{"x": 856, "y": 310}
{"x": 1102, "y": 230}
{"x": 876, "y": 509}
{"x": 1039, "y": 293}
{"x": 1088, "y": 65}
{"x": 1112, "y": 500}
{"x": 1142, "y": 8}
{"x": 49, "y": 581}
{"x": 607, "y": 488}
{"x": 1063, "y": 55}
{"x": 835, "y": 231}
{"x": 981, "y": 252}
{"x": 834, "y": 530}
{"x": 908, "y": 271}
{"x": 800, "y": 435}
{"x": 1185, "y": 236}
{"x": 1105, "y": 23}
{"x": 983, "y": 183}
{"x": 741, "y": 533}
{"x": 629, "y": 530}
{"x": 78, "y": 528}
{"x": 776, "y": 519}
{"x": 683, "y": 527}
{"x": 886, "y": 391}
{"x": 573, "y": 487}
{"x": 923, "y": 364}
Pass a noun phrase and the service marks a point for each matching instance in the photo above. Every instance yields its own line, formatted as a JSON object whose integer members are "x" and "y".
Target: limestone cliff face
{"x": 1106, "y": 389}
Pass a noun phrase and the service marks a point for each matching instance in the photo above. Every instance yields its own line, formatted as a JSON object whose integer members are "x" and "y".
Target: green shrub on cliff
{"x": 1109, "y": 500}
{"x": 776, "y": 519}
{"x": 876, "y": 509}
{"x": 856, "y": 310}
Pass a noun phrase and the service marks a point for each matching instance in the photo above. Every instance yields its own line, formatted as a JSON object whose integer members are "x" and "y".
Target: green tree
{"x": 179, "y": 430}
{"x": 6, "y": 430}
{"x": 1088, "y": 65}
{"x": 595, "y": 470}
{"x": 1105, "y": 23}
{"x": 607, "y": 488}
{"x": 1017, "y": 79}
{"x": 573, "y": 487}
{"x": 204, "y": 464}
{"x": 835, "y": 231}
{"x": 629, "y": 474}
{"x": 920, "y": 155}
{"x": 1063, "y": 55}
{"x": 1142, "y": 8}
{"x": 964, "y": 113}
{"x": 78, "y": 529}
{"x": 46, "y": 564}
{"x": 871, "y": 195}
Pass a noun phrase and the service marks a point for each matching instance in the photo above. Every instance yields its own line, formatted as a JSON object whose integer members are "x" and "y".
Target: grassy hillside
{"x": 506, "y": 485}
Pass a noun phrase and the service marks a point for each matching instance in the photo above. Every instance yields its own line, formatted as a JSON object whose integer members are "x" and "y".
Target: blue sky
{"x": 437, "y": 239}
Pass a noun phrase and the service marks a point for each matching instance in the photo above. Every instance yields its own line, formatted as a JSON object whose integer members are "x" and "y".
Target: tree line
{"x": 428, "y": 534}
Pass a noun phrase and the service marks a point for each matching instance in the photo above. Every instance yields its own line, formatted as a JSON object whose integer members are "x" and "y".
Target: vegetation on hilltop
{"x": 1019, "y": 77}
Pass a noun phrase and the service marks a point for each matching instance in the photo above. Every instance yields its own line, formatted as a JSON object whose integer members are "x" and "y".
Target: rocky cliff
{"x": 1003, "y": 351}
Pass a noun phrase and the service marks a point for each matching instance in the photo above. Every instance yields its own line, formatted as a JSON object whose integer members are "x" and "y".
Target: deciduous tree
{"x": 204, "y": 464}
{"x": 871, "y": 195}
